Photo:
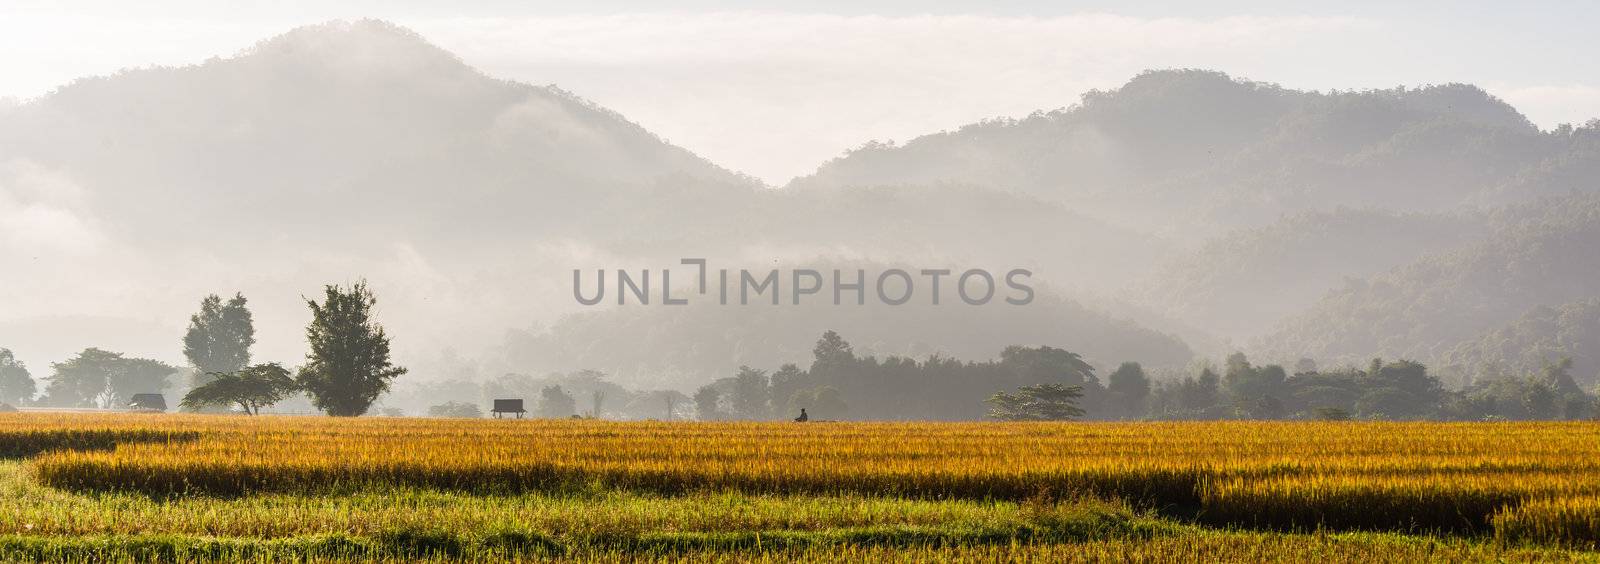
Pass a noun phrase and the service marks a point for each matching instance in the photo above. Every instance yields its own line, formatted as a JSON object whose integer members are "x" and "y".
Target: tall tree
{"x": 1573, "y": 402}
{"x": 1208, "y": 390}
{"x": 670, "y": 400}
{"x": 1129, "y": 387}
{"x": 16, "y": 384}
{"x": 1558, "y": 375}
{"x": 1035, "y": 365}
{"x": 832, "y": 347}
{"x": 788, "y": 380}
{"x": 348, "y": 366}
{"x": 597, "y": 399}
{"x": 830, "y": 404}
{"x": 750, "y": 393}
{"x": 251, "y": 389}
{"x": 705, "y": 403}
{"x": 834, "y": 361}
{"x": 219, "y": 337}
{"x": 1400, "y": 390}
{"x": 1050, "y": 365}
{"x": 556, "y": 403}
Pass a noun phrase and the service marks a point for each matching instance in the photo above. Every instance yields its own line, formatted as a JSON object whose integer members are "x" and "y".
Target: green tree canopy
{"x": 556, "y": 403}
{"x": 1049, "y": 364}
{"x": 829, "y": 404}
{"x": 1042, "y": 402}
{"x": 750, "y": 393}
{"x": 788, "y": 380}
{"x": 705, "y": 403}
{"x": 104, "y": 379}
{"x": 219, "y": 337}
{"x": 349, "y": 366}
{"x": 832, "y": 348}
{"x": 251, "y": 389}
{"x": 1128, "y": 387}
{"x": 16, "y": 384}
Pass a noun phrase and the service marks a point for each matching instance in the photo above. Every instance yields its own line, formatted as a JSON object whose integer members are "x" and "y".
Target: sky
{"x": 773, "y": 89}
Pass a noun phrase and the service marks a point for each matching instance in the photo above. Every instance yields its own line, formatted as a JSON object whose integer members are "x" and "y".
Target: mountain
{"x": 1537, "y": 254}
{"x": 1243, "y": 283}
{"x": 345, "y": 151}
{"x": 1187, "y": 151}
{"x": 1276, "y": 204}
{"x": 1574, "y": 168}
{"x": 331, "y": 118}
{"x": 1336, "y": 225}
{"x": 1543, "y": 335}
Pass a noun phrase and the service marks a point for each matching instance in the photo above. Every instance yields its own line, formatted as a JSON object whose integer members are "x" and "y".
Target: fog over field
{"x": 1167, "y": 217}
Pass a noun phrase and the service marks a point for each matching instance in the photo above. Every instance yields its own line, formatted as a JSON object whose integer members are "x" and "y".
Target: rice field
{"x": 195, "y": 487}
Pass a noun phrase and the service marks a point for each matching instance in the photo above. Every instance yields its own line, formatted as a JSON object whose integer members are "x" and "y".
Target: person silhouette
{"x": 803, "y": 417}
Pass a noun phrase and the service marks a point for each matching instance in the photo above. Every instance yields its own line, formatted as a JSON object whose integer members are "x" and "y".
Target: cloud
{"x": 42, "y": 212}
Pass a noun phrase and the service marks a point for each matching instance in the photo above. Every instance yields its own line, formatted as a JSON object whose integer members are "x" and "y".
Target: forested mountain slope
{"x": 1241, "y": 284}
{"x": 1539, "y": 254}
{"x": 1185, "y": 150}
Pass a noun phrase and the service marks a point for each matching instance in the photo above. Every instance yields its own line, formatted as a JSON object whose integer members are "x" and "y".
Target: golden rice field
{"x": 194, "y": 487}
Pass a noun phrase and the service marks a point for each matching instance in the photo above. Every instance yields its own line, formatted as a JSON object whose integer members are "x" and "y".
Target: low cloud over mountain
{"x": 1186, "y": 201}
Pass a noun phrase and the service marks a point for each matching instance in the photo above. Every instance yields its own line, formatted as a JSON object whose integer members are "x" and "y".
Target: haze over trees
{"x": 456, "y": 409}
{"x": 16, "y": 383}
{"x": 1046, "y": 383}
{"x": 1184, "y": 215}
{"x": 556, "y": 403}
{"x": 219, "y": 337}
{"x": 1241, "y": 283}
{"x": 104, "y": 379}
{"x": 1540, "y": 254}
{"x": 1528, "y": 344}
{"x": 1207, "y": 151}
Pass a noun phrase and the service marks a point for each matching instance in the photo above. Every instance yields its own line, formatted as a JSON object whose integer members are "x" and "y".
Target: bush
{"x": 456, "y": 409}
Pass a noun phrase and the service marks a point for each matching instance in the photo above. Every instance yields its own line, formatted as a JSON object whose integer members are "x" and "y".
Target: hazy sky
{"x": 773, "y": 88}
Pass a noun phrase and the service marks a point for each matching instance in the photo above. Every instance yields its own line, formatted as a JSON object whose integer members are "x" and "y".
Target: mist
{"x": 1169, "y": 216}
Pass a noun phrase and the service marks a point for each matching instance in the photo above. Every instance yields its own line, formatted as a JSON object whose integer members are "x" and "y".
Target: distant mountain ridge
{"x": 1335, "y": 225}
{"x": 1189, "y": 149}
{"x": 356, "y": 149}
{"x": 361, "y": 115}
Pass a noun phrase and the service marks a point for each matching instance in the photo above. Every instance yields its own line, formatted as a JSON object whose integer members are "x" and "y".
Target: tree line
{"x": 347, "y": 369}
{"x": 1046, "y": 383}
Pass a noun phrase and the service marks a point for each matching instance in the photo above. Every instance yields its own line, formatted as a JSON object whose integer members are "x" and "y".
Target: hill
{"x": 1543, "y": 335}
{"x": 1184, "y": 150}
{"x": 326, "y": 119}
{"x": 1538, "y": 254}
{"x": 356, "y": 150}
{"x": 1241, "y": 284}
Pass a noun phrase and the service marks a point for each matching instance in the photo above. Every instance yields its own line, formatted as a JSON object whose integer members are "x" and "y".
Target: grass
{"x": 1205, "y": 546}
{"x": 215, "y": 488}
